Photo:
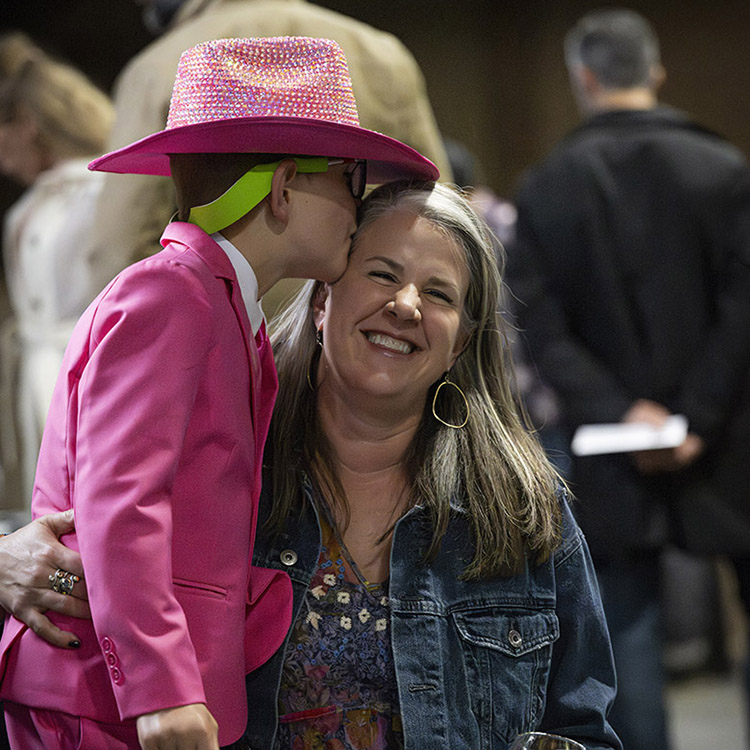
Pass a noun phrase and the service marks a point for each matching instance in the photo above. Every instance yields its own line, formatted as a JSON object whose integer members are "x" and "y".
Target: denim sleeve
{"x": 582, "y": 681}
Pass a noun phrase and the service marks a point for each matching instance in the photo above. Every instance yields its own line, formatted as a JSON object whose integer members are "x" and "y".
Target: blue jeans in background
{"x": 630, "y": 591}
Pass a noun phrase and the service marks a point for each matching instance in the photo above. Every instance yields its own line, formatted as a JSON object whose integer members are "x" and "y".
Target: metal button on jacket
{"x": 515, "y": 638}
{"x": 288, "y": 557}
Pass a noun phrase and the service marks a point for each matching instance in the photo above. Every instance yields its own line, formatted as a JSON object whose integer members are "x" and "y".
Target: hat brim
{"x": 388, "y": 159}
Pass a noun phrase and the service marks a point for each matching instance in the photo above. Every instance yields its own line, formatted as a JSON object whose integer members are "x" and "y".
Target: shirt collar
{"x": 245, "y": 278}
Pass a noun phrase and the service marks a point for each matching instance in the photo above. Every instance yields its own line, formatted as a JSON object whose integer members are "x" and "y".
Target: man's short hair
{"x": 619, "y": 46}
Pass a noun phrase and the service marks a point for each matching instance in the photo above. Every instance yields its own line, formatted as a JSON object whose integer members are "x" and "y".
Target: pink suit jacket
{"x": 155, "y": 437}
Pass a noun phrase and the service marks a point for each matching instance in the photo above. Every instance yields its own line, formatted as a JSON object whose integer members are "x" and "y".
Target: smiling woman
{"x": 442, "y": 589}
{"x": 394, "y": 324}
{"x": 419, "y": 299}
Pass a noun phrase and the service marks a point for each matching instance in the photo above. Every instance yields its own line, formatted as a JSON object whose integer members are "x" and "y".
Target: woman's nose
{"x": 406, "y": 303}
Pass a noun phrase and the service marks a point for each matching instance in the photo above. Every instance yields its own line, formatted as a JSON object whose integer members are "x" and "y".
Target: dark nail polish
{"x": 74, "y": 644}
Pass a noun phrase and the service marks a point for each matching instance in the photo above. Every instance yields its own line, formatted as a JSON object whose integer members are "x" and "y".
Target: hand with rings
{"x": 63, "y": 581}
{"x": 39, "y": 574}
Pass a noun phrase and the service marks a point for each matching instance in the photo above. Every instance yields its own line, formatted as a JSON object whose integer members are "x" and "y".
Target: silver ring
{"x": 63, "y": 581}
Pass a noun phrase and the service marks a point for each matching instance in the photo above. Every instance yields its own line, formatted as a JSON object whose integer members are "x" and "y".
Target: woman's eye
{"x": 440, "y": 295}
{"x": 383, "y": 275}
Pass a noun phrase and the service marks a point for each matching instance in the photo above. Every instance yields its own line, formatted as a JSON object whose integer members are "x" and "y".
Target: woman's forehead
{"x": 402, "y": 230}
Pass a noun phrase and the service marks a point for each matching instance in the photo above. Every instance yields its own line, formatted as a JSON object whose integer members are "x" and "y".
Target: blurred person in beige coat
{"x": 388, "y": 85}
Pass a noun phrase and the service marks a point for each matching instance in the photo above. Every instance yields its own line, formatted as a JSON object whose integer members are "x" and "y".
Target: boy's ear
{"x": 279, "y": 195}
{"x": 320, "y": 297}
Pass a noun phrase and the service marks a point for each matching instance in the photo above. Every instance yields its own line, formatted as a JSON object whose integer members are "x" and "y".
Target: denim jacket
{"x": 477, "y": 662}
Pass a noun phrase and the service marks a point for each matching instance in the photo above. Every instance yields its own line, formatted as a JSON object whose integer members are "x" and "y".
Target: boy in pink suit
{"x": 156, "y": 430}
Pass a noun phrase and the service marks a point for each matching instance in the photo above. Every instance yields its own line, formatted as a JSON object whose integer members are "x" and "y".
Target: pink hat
{"x": 280, "y": 95}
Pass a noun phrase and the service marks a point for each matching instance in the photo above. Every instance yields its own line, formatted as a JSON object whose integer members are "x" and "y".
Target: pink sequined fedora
{"x": 276, "y": 95}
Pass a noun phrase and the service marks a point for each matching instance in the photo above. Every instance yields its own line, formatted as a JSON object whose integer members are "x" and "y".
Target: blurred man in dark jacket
{"x": 632, "y": 262}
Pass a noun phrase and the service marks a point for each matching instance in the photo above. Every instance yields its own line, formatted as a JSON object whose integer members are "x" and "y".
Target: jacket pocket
{"x": 201, "y": 589}
{"x": 507, "y": 655}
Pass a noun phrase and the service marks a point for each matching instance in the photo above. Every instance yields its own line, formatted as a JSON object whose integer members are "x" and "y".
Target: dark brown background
{"x": 494, "y": 69}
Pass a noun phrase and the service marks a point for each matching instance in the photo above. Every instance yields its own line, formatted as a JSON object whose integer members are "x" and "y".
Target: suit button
{"x": 107, "y": 645}
{"x": 112, "y": 660}
{"x": 117, "y": 677}
{"x": 288, "y": 557}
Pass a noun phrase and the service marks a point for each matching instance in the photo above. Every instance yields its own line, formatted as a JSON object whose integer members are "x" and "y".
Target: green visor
{"x": 247, "y": 193}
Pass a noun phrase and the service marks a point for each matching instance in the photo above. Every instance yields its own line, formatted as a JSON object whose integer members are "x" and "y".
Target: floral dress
{"x": 338, "y": 687}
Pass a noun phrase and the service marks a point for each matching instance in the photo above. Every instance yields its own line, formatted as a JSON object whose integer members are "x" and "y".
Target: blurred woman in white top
{"x": 52, "y": 121}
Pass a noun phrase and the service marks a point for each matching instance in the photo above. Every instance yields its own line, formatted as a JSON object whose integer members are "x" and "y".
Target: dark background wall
{"x": 494, "y": 69}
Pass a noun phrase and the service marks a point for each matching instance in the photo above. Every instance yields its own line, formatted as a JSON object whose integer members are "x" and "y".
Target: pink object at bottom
{"x": 39, "y": 729}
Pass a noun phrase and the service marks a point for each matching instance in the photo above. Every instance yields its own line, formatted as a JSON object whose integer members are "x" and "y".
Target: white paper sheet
{"x": 595, "y": 439}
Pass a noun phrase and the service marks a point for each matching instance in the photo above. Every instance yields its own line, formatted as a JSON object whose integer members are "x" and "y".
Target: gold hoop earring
{"x": 309, "y": 371}
{"x": 315, "y": 357}
{"x": 309, "y": 379}
{"x": 448, "y": 381}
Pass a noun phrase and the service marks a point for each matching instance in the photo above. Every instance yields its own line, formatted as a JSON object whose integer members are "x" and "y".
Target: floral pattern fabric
{"x": 338, "y": 687}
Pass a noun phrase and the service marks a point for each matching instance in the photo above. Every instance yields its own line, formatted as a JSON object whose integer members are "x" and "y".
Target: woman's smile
{"x": 390, "y": 343}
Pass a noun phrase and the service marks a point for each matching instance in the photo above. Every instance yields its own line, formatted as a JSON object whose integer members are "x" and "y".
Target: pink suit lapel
{"x": 264, "y": 382}
{"x": 264, "y": 397}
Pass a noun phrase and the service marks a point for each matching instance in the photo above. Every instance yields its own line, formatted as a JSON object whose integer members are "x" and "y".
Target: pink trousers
{"x": 39, "y": 729}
